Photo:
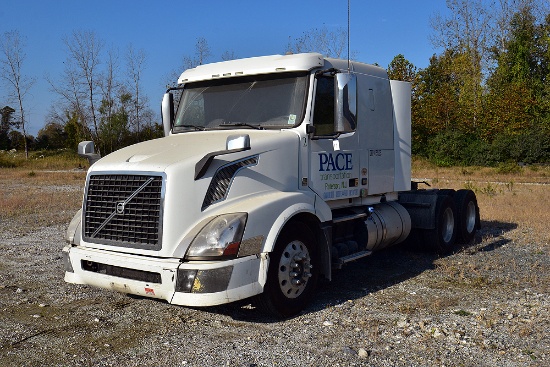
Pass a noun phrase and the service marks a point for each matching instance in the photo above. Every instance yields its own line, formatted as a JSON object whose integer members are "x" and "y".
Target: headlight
{"x": 221, "y": 237}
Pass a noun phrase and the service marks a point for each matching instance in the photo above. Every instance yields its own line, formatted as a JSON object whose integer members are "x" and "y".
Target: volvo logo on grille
{"x": 120, "y": 207}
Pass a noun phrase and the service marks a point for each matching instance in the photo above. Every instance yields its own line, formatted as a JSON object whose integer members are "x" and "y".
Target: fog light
{"x": 212, "y": 280}
{"x": 185, "y": 281}
{"x": 203, "y": 281}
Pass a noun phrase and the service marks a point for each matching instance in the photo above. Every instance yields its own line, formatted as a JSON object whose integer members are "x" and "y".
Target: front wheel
{"x": 293, "y": 272}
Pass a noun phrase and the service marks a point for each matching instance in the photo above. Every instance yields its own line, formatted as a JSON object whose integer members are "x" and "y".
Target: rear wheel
{"x": 443, "y": 237}
{"x": 293, "y": 272}
{"x": 467, "y": 215}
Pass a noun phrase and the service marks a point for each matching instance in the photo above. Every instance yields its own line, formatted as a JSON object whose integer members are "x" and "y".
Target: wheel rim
{"x": 448, "y": 225}
{"x": 470, "y": 217}
{"x": 294, "y": 269}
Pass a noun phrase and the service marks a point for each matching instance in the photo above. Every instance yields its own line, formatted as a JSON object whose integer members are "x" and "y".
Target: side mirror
{"x": 238, "y": 142}
{"x": 167, "y": 112}
{"x": 345, "y": 113}
{"x": 86, "y": 149}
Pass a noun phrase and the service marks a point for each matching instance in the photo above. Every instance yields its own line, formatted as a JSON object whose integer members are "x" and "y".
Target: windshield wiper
{"x": 257, "y": 127}
{"x": 196, "y": 127}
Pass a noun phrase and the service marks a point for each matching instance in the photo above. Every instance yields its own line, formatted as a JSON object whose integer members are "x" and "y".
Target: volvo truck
{"x": 273, "y": 172}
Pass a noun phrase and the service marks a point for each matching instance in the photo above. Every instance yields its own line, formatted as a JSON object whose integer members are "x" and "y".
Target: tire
{"x": 293, "y": 272}
{"x": 442, "y": 238}
{"x": 467, "y": 212}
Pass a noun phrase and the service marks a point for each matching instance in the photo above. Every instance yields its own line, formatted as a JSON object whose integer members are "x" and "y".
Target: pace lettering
{"x": 340, "y": 162}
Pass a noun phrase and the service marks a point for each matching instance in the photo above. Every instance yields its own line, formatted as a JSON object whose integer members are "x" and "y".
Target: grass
{"x": 515, "y": 196}
{"x": 61, "y": 159}
{"x": 49, "y": 184}
{"x": 462, "y": 313}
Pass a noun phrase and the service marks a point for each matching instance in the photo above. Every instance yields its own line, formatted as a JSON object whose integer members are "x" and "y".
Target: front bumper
{"x": 189, "y": 284}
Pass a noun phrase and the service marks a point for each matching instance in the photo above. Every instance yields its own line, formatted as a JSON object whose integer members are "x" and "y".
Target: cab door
{"x": 334, "y": 157}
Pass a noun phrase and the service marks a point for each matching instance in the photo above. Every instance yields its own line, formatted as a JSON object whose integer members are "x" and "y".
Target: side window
{"x": 323, "y": 113}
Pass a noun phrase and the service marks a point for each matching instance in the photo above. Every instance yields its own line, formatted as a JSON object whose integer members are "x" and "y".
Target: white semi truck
{"x": 274, "y": 171}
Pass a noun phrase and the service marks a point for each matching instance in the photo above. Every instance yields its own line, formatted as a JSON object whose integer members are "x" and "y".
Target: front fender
{"x": 268, "y": 211}
{"x": 73, "y": 231}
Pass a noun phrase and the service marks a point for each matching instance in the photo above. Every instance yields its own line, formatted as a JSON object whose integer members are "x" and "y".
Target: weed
{"x": 510, "y": 167}
{"x": 32, "y": 174}
{"x": 465, "y": 171}
{"x": 462, "y": 313}
{"x": 489, "y": 190}
{"x": 510, "y": 186}
{"x": 529, "y": 353}
{"x": 469, "y": 185}
{"x": 479, "y": 282}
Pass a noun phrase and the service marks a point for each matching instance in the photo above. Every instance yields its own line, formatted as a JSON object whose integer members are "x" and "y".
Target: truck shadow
{"x": 374, "y": 273}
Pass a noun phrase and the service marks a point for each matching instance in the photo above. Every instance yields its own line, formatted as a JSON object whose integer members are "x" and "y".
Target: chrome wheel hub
{"x": 448, "y": 224}
{"x": 294, "y": 269}
{"x": 470, "y": 217}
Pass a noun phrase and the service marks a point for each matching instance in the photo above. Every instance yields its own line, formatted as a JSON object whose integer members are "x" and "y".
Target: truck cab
{"x": 273, "y": 171}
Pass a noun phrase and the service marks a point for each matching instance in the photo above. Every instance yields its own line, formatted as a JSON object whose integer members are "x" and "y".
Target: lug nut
{"x": 298, "y": 257}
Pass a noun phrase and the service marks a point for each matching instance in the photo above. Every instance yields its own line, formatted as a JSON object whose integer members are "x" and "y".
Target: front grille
{"x": 124, "y": 210}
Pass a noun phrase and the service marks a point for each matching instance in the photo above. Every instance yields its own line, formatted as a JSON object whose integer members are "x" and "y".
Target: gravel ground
{"x": 485, "y": 305}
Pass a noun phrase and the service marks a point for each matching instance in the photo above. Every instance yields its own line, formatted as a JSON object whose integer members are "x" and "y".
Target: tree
{"x": 518, "y": 89}
{"x": 228, "y": 55}
{"x": 73, "y": 130}
{"x": 436, "y": 103}
{"x": 82, "y": 70}
{"x": 6, "y": 124}
{"x": 11, "y": 71}
{"x": 202, "y": 54}
{"x": 17, "y": 140}
{"x": 51, "y": 136}
{"x": 109, "y": 85}
{"x": 402, "y": 69}
{"x": 113, "y": 129}
{"x": 330, "y": 43}
{"x": 135, "y": 64}
{"x": 467, "y": 32}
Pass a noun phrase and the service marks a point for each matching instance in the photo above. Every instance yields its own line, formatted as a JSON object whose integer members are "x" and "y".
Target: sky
{"x": 168, "y": 30}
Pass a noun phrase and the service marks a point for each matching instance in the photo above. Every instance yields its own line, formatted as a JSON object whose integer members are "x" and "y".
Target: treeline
{"x": 99, "y": 97}
{"x": 486, "y": 99}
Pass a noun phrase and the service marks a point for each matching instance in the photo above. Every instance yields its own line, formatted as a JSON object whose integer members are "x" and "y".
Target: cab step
{"x": 351, "y": 257}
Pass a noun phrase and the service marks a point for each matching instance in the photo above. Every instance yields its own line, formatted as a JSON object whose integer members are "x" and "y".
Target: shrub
{"x": 453, "y": 147}
{"x": 449, "y": 148}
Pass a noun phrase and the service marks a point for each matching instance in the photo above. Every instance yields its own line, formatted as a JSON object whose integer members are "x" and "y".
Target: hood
{"x": 270, "y": 164}
{"x": 160, "y": 154}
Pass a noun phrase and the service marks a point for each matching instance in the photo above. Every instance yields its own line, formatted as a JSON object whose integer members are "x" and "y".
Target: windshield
{"x": 260, "y": 101}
